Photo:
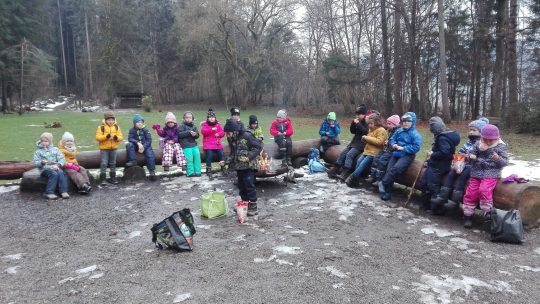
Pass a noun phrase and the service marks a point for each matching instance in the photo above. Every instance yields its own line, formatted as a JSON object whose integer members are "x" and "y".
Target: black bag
{"x": 506, "y": 226}
{"x": 175, "y": 232}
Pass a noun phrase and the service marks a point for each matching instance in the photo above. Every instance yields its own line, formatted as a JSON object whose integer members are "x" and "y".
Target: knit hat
{"x": 394, "y": 120}
{"x": 68, "y": 137}
{"x": 361, "y": 110}
{"x": 47, "y": 136}
{"x": 490, "y": 132}
{"x": 479, "y": 124}
{"x": 253, "y": 120}
{"x": 436, "y": 125}
{"x": 137, "y": 118}
{"x": 170, "y": 117}
{"x": 232, "y": 126}
{"x": 406, "y": 117}
{"x": 235, "y": 111}
{"x": 108, "y": 114}
{"x": 282, "y": 114}
{"x": 331, "y": 116}
{"x": 210, "y": 113}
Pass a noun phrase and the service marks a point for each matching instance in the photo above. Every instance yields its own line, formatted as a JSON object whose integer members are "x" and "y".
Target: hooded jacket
{"x": 52, "y": 155}
{"x": 333, "y": 132}
{"x": 358, "y": 129}
{"x": 184, "y": 136}
{"x": 284, "y": 126}
{"x": 70, "y": 157}
{"x": 443, "y": 150}
{"x": 375, "y": 140}
{"x": 140, "y": 136}
{"x": 409, "y": 139}
{"x": 210, "y": 140}
{"x": 101, "y": 136}
{"x": 486, "y": 167}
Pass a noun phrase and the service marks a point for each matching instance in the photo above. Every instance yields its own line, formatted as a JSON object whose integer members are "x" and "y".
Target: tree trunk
{"x": 62, "y": 43}
{"x": 398, "y": 98}
{"x": 512, "y": 63}
{"x": 386, "y": 61}
{"x": 90, "y": 83}
{"x": 496, "y": 89}
{"x": 442, "y": 63}
{"x": 21, "y": 93}
{"x": 415, "y": 102}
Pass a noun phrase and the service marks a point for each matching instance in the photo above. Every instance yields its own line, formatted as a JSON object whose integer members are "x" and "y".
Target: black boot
{"x": 252, "y": 209}
{"x": 457, "y": 197}
{"x": 442, "y": 197}
{"x": 113, "y": 179}
{"x": 351, "y": 181}
{"x": 153, "y": 176}
{"x": 468, "y": 221}
{"x": 344, "y": 174}
{"x": 209, "y": 172}
{"x": 333, "y": 173}
{"x": 103, "y": 179}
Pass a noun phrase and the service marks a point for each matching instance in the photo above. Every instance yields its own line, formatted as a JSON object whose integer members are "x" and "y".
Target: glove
{"x": 115, "y": 138}
{"x": 243, "y": 159}
{"x": 108, "y": 136}
{"x": 156, "y": 127}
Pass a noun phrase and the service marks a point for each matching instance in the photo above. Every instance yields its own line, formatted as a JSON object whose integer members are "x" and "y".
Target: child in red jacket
{"x": 212, "y": 134}
{"x": 282, "y": 130}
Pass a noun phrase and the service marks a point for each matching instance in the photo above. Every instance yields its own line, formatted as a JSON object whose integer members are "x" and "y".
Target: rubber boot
{"x": 209, "y": 172}
{"x": 344, "y": 174}
{"x": 457, "y": 197}
{"x": 103, "y": 179}
{"x": 352, "y": 181}
{"x": 113, "y": 179}
{"x": 425, "y": 199}
{"x": 385, "y": 195}
{"x": 441, "y": 198}
{"x": 252, "y": 209}
{"x": 333, "y": 173}
{"x": 468, "y": 223}
{"x": 153, "y": 176}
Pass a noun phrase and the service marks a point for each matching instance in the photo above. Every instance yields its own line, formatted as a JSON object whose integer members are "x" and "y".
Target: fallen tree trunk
{"x": 524, "y": 197}
{"x": 91, "y": 159}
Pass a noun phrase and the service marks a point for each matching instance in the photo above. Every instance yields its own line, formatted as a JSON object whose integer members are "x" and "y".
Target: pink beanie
{"x": 394, "y": 119}
{"x": 170, "y": 118}
{"x": 490, "y": 132}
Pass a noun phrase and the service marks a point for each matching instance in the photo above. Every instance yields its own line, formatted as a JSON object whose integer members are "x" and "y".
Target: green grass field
{"x": 19, "y": 133}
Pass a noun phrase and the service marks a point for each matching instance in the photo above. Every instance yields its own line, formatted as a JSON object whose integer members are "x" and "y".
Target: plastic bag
{"x": 458, "y": 163}
{"x": 175, "y": 232}
{"x": 213, "y": 204}
{"x": 506, "y": 226}
{"x": 241, "y": 211}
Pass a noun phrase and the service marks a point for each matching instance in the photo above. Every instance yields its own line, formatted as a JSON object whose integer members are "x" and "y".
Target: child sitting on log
{"x": 378, "y": 166}
{"x": 108, "y": 135}
{"x": 140, "y": 141}
{"x": 282, "y": 130}
{"x": 329, "y": 132}
{"x": 405, "y": 143}
{"x": 212, "y": 134}
{"x": 76, "y": 172}
{"x": 187, "y": 135}
{"x": 438, "y": 164}
{"x": 170, "y": 145}
{"x": 488, "y": 158}
{"x": 254, "y": 128}
{"x": 374, "y": 143}
{"x": 49, "y": 160}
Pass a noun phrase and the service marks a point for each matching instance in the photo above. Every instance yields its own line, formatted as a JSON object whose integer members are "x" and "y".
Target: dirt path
{"x": 313, "y": 242}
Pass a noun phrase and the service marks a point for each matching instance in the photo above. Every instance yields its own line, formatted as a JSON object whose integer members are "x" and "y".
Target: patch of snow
{"x": 12, "y": 270}
{"x": 363, "y": 243}
{"x": 283, "y": 262}
{"x": 96, "y": 276}
{"x": 457, "y": 265}
{"x": 526, "y": 169}
{"x": 262, "y": 260}
{"x": 206, "y": 227}
{"x": 505, "y": 272}
{"x": 461, "y": 243}
{"x": 394, "y": 287}
{"x": 414, "y": 221}
{"x": 86, "y": 270}
{"x": 282, "y": 249}
{"x": 337, "y": 285}
{"x": 181, "y": 297}
{"x": 528, "y": 268}
{"x": 437, "y": 231}
{"x": 299, "y": 232}
{"x": 17, "y": 256}
{"x": 334, "y": 271}
{"x": 134, "y": 234}
{"x": 6, "y": 189}
{"x": 344, "y": 209}
{"x": 537, "y": 250}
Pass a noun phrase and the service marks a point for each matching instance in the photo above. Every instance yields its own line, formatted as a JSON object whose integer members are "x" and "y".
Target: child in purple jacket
{"x": 170, "y": 146}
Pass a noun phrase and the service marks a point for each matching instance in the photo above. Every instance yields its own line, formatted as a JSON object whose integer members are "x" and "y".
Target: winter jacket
{"x": 103, "y": 131}
{"x": 210, "y": 140}
{"x": 443, "y": 150}
{"x": 168, "y": 133}
{"x": 469, "y": 145}
{"x": 388, "y": 147}
{"x": 70, "y": 157}
{"x": 375, "y": 140}
{"x": 52, "y": 155}
{"x": 485, "y": 166}
{"x": 185, "y": 138}
{"x": 358, "y": 129}
{"x": 409, "y": 139}
{"x": 140, "y": 136}
{"x": 245, "y": 145}
{"x": 333, "y": 132}
{"x": 284, "y": 126}
{"x": 256, "y": 132}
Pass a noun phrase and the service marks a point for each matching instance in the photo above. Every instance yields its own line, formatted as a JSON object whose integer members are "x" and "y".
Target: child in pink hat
{"x": 487, "y": 158}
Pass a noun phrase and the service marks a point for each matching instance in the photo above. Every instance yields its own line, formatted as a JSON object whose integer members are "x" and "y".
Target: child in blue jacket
{"x": 140, "y": 141}
{"x": 329, "y": 132}
{"x": 404, "y": 144}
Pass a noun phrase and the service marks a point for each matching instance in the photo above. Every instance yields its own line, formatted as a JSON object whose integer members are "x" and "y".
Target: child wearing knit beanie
{"x": 76, "y": 172}
{"x": 140, "y": 141}
{"x": 170, "y": 143}
{"x": 50, "y": 161}
{"x": 329, "y": 132}
{"x": 212, "y": 134}
{"x": 488, "y": 157}
{"x": 282, "y": 130}
{"x": 108, "y": 135}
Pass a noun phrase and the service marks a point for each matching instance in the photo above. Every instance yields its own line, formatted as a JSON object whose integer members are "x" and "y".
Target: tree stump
{"x": 134, "y": 173}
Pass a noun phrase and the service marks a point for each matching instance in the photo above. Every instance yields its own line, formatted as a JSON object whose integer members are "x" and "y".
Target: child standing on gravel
{"x": 282, "y": 130}
{"x": 108, "y": 135}
{"x": 488, "y": 158}
{"x": 140, "y": 141}
{"x": 170, "y": 144}
{"x": 187, "y": 135}
{"x": 212, "y": 134}
{"x": 76, "y": 172}
{"x": 49, "y": 160}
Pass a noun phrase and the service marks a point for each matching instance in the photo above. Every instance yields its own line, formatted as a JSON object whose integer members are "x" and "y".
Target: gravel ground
{"x": 313, "y": 242}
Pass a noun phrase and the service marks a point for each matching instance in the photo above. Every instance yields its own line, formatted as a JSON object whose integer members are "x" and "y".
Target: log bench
{"x": 32, "y": 181}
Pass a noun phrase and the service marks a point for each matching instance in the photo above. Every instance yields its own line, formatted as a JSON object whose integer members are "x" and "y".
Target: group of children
{"x": 389, "y": 148}
{"x": 384, "y": 148}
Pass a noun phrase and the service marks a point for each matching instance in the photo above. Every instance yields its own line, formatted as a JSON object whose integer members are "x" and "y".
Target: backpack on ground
{"x": 314, "y": 162}
{"x": 175, "y": 232}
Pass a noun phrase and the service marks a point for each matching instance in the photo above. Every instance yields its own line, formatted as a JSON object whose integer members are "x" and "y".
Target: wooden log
{"x": 91, "y": 159}
{"x": 524, "y": 197}
{"x": 33, "y": 181}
